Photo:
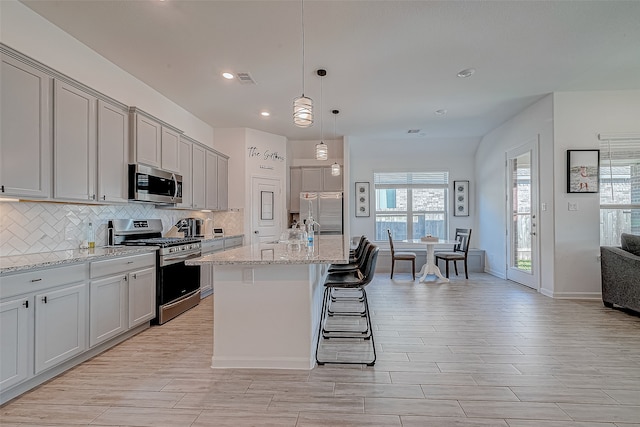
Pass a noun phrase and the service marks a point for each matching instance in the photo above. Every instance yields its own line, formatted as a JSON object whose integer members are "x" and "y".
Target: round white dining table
{"x": 430, "y": 268}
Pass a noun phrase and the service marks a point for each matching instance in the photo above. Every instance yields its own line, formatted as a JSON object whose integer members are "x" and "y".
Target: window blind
{"x": 410, "y": 178}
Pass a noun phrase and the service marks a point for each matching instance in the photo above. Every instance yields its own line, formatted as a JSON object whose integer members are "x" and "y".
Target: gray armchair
{"x": 620, "y": 277}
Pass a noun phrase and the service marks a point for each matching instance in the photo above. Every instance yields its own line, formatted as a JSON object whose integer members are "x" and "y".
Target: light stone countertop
{"x": 23, "y": 263}
{"x": 327, "y": 250}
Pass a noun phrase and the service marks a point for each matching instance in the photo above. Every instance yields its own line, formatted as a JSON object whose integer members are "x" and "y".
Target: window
{"x": 619, "y": 188}
{"x": 411, "y": 204}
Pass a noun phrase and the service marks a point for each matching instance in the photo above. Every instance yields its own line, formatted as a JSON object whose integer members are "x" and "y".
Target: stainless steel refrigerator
{"x": 326, "y": 209}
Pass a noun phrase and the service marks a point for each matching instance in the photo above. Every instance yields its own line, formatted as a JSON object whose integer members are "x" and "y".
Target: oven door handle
{"x": 186, "y": 256}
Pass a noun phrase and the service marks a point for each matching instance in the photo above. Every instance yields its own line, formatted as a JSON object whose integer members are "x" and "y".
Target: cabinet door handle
{"x": 135, "y": 275}
{"x": 44, "y": 299}
{"x": 2, "y": 188}
{"x": 35, "y": 280}
{"x": 104, "y": 197}
{"x": 26, "y": 304}
{"x": 129, "y": 262}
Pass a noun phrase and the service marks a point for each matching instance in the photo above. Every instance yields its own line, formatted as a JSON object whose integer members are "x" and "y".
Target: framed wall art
{"x": 266, "y": 205}
{"x": 583, "y": 171}
{"x": 460, "y": 198}
{"x": 362, "y": 199}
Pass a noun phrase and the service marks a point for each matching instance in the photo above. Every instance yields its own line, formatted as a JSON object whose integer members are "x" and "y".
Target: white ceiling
{"x": 390, "y": 64}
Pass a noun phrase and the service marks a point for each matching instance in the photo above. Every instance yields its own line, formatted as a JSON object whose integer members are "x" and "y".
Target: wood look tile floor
{"x": 479, "y": 352}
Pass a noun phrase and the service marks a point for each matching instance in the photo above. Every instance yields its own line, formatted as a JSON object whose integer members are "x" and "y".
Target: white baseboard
{"x": 498, "y": 274}
{"x": 263, "y": 363}
{"x": 594, "y": 296}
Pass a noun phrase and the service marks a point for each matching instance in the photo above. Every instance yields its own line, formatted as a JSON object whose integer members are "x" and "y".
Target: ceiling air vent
{"x": 245, "y": 79}
{"x": 413, "y": 131}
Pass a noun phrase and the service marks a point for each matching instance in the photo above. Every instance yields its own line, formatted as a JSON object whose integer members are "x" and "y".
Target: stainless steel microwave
{"x": 147, "y": 184}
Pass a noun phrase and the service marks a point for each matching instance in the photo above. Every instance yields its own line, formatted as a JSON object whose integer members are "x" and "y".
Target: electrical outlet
{"x": 573, "y": 206}
{"x": 247, "y": 275}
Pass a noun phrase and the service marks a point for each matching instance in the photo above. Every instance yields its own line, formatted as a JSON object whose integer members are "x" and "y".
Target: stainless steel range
{"x": 177, "y": 284}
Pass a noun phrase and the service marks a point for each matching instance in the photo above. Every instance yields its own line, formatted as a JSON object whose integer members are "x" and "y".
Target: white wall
{"x": 491, "y": 175}
{"x": 253, "y": 153}
{"x": 29, "y": 33}
{"x": 569, "y": 241}
{"x": 366, "y": 156}
{"x": 578, "y": 118}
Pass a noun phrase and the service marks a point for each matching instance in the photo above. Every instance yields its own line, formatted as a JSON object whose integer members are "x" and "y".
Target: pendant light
{"x": 322, "y": 150}
{"x": 302, "y": 105}
{"x": 335, "y": 167}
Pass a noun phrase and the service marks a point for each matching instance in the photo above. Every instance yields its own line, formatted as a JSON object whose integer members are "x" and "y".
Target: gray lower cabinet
{"x": 206, "y": 271}
{"x": 60, "y": 324}
{"x": 15, "y": 335}
{"x": 123, "y": 295}
{"x": 108, "y": 308}
{"x": 54, "y": 318}
{"x": 142, "y": 296}
{"x": 43, "y": 321}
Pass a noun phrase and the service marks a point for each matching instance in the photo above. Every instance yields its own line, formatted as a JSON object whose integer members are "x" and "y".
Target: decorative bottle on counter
{"x": 310, "y": 235}
{"x": 91, "y": 240}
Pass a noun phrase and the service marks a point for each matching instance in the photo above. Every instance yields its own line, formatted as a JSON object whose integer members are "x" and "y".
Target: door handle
{"x": 256, "y": 232}
{"x": 533, "y": 233}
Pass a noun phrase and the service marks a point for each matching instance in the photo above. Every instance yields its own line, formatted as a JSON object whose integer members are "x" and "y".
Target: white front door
{"x": 522, "y": 215}
{"x": 266, "y": 212}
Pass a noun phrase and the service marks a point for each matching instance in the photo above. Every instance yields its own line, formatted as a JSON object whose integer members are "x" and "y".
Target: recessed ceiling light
{"x": 441, "y": 112}
{"x": 227, "y": 76}
{"x": 265, "y": 113}
{"x": 466, "y": 73}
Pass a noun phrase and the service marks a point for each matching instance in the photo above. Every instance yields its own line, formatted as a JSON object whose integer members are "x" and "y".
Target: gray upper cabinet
{"x": 153, "y": 142}
{"x": 319, "y": 179}
{"x": 295, "y": 188}
{"x": 170, "y": 143}
{"x": 25, "y": 130}
{"x": 90, "y": 147}
{"x": 113, "y": 144}
{"x": 146, "y": 140}
{"x": 74, "y": 143}
{"x": 330, "y": 182}
{"x": 186, "y": 170}
{"x": 211, "y": 178}
{"x": 312, "y": 179}
{"x": 208, "y": 180}
{"x": 199, "y": 180}
{"x": 223, "y": 183}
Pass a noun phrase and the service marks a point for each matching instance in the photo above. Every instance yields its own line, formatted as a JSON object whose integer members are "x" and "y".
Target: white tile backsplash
{"x": 32, "y": 227}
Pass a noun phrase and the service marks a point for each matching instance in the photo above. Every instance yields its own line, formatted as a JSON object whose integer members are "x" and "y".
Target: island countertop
{"x": 327, "y": 250}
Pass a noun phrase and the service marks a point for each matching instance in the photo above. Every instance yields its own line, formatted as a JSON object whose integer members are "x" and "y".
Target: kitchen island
{"x": 267, "y": 302}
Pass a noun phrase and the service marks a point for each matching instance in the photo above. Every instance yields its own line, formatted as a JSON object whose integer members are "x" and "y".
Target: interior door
{"x": 266, "y": 221}
{"x": 522, "y": 214}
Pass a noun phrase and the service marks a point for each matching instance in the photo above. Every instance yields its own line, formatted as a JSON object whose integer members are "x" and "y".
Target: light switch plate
{"x": 247, "y": 275}
{"x": 573, "y": 206}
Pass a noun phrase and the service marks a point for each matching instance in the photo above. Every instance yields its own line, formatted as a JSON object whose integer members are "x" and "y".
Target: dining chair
{"x": 459, "y": 253}
{"x": 401, "y": 256}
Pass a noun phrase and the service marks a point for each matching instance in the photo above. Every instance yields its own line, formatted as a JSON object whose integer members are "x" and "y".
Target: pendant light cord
{"x": 321, "y": 108}
{"x": 302, "y": 8}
